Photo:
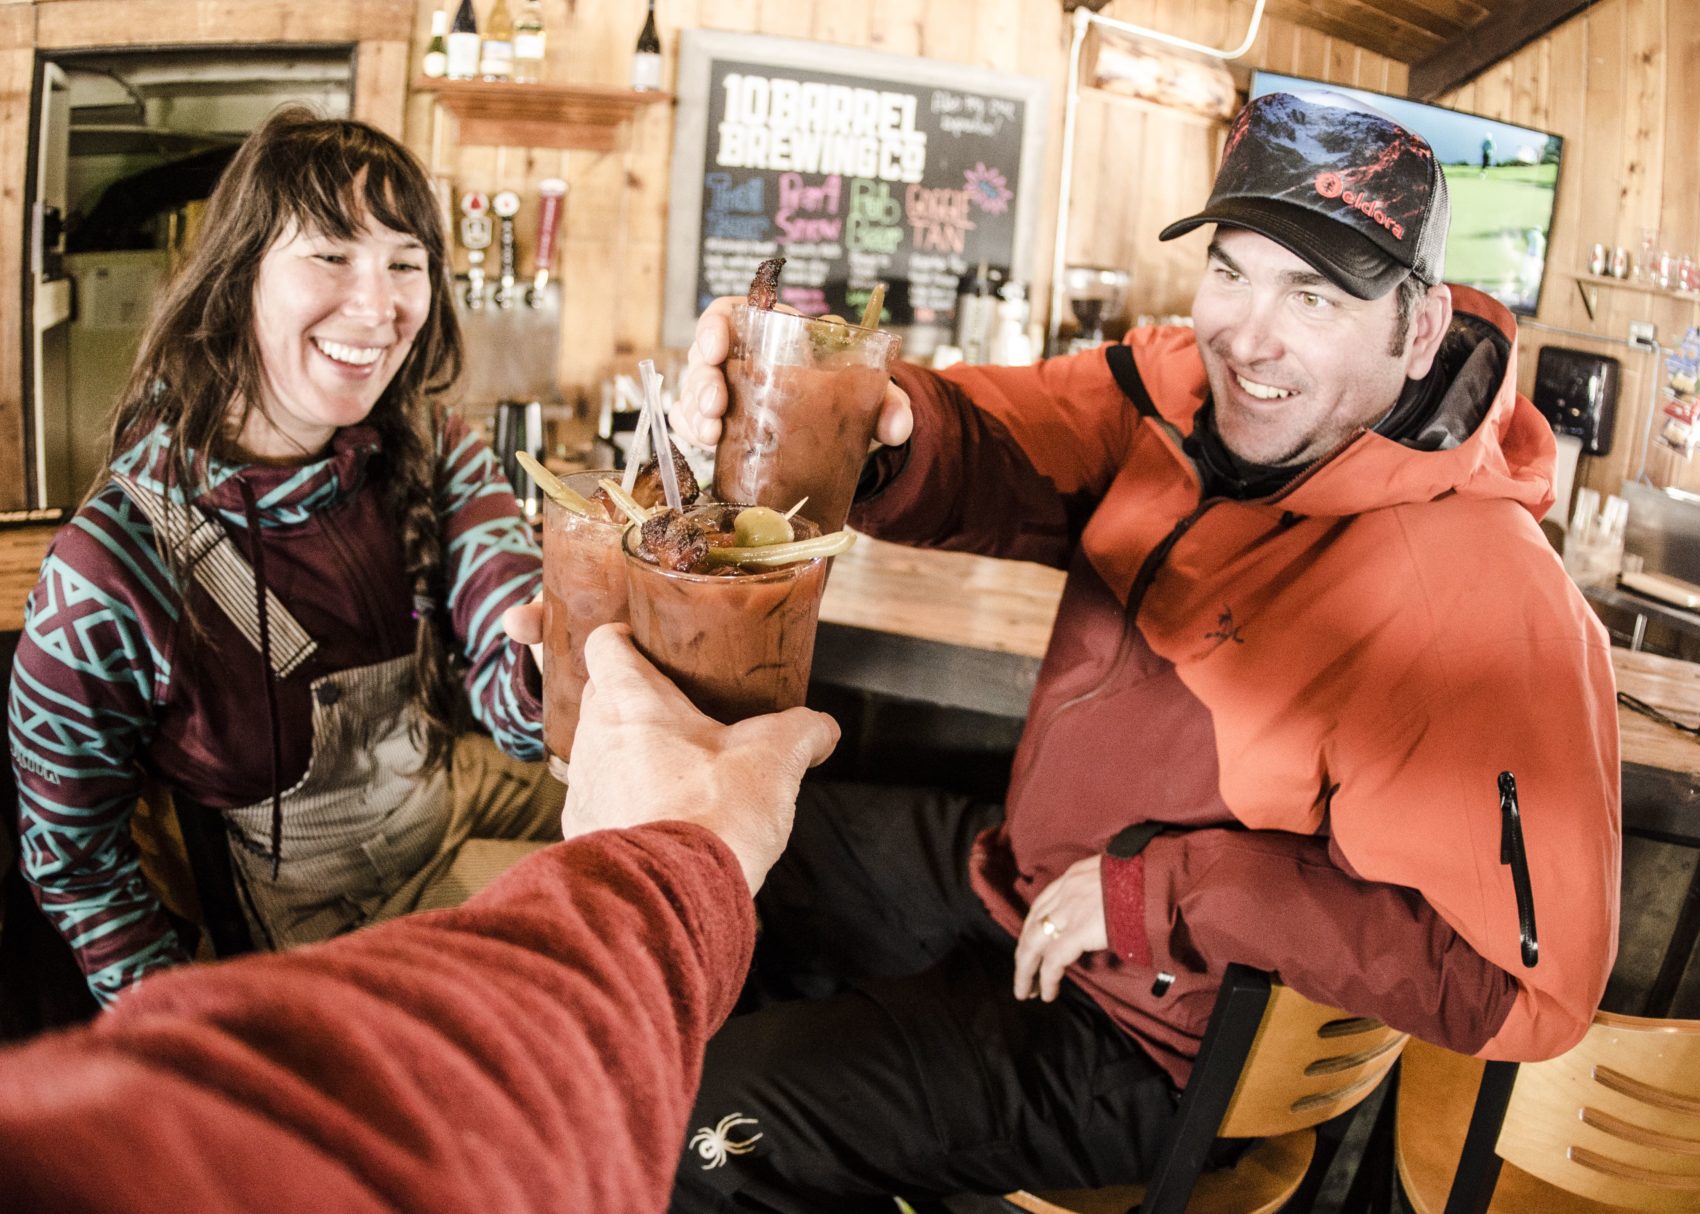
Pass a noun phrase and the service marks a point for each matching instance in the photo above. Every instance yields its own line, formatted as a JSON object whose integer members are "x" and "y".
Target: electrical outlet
{"x": 1643, "y": 335}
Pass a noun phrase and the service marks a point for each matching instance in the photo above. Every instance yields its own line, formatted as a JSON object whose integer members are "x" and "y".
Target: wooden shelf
{"x": 573, "y": 116}
{"x": 1629, "y": 284}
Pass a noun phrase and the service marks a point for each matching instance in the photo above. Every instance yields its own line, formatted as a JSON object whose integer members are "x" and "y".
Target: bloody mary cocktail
{"x": 803, "y": 400}
{"x": 738, "y": 642}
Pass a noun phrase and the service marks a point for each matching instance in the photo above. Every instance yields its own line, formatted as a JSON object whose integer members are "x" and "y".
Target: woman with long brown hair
{"x": 277, "y": 602}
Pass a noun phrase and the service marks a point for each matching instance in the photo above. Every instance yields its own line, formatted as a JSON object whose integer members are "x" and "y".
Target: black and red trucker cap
{"x": 1337, "y": 182}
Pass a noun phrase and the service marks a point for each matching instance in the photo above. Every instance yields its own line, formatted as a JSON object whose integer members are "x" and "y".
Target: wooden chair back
{"x": 1272, "y": 1065}
{"x": 1617, "y": 1118}
{"x": 1308, "y": 1064}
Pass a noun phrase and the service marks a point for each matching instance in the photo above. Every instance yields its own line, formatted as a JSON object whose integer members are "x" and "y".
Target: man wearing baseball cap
{"x": 1319, "y": 699}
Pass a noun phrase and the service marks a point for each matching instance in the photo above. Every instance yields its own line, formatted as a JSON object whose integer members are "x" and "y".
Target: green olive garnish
{"x": 758, "y": 526}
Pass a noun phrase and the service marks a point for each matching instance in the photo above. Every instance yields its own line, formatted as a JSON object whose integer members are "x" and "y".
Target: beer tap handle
{"x": 475, "y": 236}
{"x": 552, "y": 194}
{"x": 506, "y": 206}
{"x": 475, "y": 281}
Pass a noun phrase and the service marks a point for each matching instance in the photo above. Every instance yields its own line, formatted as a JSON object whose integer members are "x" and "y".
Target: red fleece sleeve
{"x": 536, "y": 1049}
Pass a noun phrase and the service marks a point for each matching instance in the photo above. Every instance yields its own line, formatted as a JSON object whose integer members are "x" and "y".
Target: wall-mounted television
{"x": 1503, "y": 180}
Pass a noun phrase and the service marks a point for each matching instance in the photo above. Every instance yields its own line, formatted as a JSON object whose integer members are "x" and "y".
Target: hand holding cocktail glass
{"x": 644, "y": 754}
{"x": 702, "y": 399}
{"x": 803, "y": 400}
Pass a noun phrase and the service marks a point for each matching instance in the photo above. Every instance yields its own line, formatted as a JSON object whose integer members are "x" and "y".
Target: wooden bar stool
{"x": 1273, "y": 1066}
{"x": 1613, "y": 1124}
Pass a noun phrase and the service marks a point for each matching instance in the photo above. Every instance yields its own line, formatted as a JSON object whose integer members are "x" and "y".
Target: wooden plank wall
{"x": 1137, "y": 169}
{"x": 1617, "y": 82}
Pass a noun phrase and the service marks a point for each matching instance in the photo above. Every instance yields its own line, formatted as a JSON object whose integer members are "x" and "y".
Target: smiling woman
{"x": 277, "y": 603}
{"x": 339, "y": 316}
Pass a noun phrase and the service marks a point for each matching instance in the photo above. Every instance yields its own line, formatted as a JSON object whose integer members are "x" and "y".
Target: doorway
{"x": 129, "y": 145}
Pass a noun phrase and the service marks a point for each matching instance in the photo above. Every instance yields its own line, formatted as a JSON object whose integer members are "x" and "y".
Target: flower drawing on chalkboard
{"x": 987, "y": 189}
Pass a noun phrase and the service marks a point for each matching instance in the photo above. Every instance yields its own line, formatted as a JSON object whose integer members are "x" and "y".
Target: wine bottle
{"x": 529, "y": 43}
{"x": 496, "y": 61}
{"x": 463, "y": 43}
{"x": 646, "y": 60}
{"x": 437, "y": 51}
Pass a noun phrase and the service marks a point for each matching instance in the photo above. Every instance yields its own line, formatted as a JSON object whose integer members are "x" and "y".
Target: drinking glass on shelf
{"x": 1644, "y": 264}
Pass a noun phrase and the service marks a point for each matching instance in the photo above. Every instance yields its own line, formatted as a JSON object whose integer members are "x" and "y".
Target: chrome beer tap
{"x": 506, "y": 206}
{"x": 475, "y": 235}
{"x": 552, "y": 193}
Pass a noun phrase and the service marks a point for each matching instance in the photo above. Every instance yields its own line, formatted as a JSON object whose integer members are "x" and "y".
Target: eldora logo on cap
{"x": 1332, "y": 185}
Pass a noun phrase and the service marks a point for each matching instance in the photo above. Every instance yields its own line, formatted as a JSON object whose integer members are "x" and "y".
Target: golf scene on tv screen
{"x": 1502, "y": 180}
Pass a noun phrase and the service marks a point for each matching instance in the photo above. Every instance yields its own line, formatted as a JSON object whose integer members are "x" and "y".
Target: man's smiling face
{"x": 1295, "y": 364}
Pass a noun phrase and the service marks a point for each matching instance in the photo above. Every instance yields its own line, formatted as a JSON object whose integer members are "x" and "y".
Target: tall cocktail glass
{"x": 584, "y": 587}
{"x": 738, "y": 643}
{"x": 804, "y": 398}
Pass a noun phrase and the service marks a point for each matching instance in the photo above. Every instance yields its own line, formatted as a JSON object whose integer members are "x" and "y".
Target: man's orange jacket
{"x": 1315, "y": 695}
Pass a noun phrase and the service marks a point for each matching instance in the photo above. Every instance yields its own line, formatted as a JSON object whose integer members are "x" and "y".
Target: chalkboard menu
{"x": 856, "y": 167}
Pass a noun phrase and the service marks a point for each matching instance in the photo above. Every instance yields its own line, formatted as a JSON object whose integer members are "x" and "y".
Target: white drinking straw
{"x": 658, "y": 433}
{"x": 635, "y": 454}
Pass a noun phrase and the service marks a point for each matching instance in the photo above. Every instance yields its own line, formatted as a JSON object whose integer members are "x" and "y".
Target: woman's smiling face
{"x": 334, "y": 319}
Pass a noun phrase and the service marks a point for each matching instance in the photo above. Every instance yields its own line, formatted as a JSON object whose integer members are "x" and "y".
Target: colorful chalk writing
{"x": 735, "y": 211}
{"x": 938, "y": 219}
{"x": 875, "y": 218}
{"x": 809, "y": 212}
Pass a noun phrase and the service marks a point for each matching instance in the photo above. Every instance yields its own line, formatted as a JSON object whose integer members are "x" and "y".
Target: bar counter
{"x": 21, "y": 550}
{"x": 968, "y": 632}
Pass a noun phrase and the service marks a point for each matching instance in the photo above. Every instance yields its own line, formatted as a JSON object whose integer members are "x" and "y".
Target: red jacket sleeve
{"x": 1004, "y": 461}
{"x": 536, "y": 1049}
{"x": 1191, "y": 903}
{"x": 1410, "y": 909}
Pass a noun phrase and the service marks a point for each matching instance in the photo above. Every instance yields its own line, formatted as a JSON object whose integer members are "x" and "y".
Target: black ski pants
{"x": 886, "y": 1053}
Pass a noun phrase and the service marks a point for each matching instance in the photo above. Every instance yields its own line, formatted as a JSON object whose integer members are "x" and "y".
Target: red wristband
{"x": 1123, "y": 881}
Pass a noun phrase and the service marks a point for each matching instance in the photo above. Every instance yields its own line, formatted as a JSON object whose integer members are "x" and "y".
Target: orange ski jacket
{"x": 1313, "y": 697}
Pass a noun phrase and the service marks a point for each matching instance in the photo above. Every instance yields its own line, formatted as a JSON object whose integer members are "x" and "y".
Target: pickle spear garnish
{"x": 874, "y": 308}
{"x": 771, "y": 556}
{"x": 627, "y": 504}
{"x": 552, "y": 485}
{"x": 764, "y": 287}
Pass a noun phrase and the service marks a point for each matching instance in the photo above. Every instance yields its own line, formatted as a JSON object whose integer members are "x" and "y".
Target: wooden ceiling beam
{"x": 1449, "y": 17}
{"x": 1385, "y": 34}
{"x": 1514, "y": 25}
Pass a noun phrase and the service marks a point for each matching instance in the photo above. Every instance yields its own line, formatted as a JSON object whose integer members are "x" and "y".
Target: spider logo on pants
{"x": 713, "y": 1146}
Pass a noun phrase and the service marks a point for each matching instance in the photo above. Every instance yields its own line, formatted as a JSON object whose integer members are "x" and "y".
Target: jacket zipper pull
{"x": 1511, "y": 852}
